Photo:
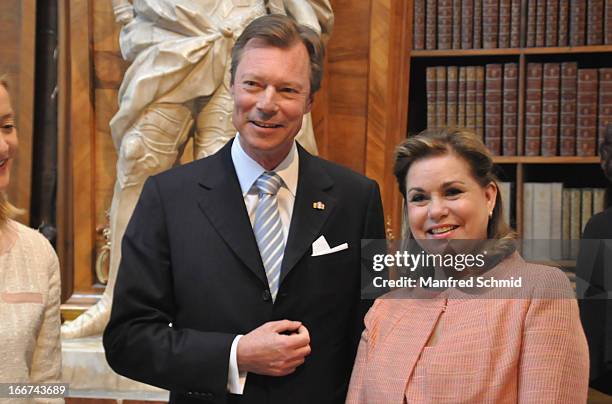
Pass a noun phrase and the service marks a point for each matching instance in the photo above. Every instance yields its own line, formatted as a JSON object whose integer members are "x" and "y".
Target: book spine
{"x": 556, "y": 222}
{"x": 552, "y": 19}
{"x": 431, "y": 24}
{"x": 586, "y": 208}
{"x": 445, "y": 23}
{"x": 477, "y": 24}
{"x": 457, "y": 24}
{"x": 595, "y": 12}
{"x": 540, "y": 36}
{"x": 451, "y": 95}
{"x": 599, "y": 200}
{"x": 577, "y": 23}
{"x": 574, "y": 221}
{"x": 510, "y": 110}
{"x": 515, "y": 24}
{"x": 470, "y": 98}
{"x": 419, "y": 24}
{"x": 605, "y": 102}
{"x": 528, "y": 197}
{"x": 467, "y": 23}
{"x": 542, "y": 218}
{"x": 607, "y": 25}
{"x": 480, "y": 101}
{"x": 461, "y": 107}
{"x": 440, "y": 96}
{"x": 565, "y": 225}
{"x": 493, "y": 107}
{"x": 569, "y": 76}
{"x": 506, "y": 199}
{"x": 533, "y": 107}
{"x": 531, "y": 22}
{"x": 550, "y": 109}
{"x": 586, "y": 138}
{"x": 431, "y": 88}
{"x": 563, "y": 22}
{"x": 505, "y": 7}
{"x": 490, "y": 23}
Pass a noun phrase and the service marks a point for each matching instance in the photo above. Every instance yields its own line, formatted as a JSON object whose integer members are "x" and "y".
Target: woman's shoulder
{"x": 31, "y": 240}
{"x": 28, "y": 233}
{"x": 543, "y": 281}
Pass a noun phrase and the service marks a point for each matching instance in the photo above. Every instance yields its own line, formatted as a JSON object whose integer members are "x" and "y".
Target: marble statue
{"x": 176, "y": 87}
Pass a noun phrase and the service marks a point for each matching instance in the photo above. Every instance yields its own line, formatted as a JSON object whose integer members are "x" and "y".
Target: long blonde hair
{"x": 7, "y": 210}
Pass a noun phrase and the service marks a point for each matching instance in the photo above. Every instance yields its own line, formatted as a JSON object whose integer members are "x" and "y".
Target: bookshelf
{"x": 511, "y": 51}
{"x": 571, "y": 170}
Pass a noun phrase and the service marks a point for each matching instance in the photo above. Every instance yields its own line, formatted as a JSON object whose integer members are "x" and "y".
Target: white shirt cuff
{"x": 235, "y": 379}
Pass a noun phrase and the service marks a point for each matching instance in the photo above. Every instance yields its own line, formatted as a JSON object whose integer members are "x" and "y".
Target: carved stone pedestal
{"x": 85, "y": 368}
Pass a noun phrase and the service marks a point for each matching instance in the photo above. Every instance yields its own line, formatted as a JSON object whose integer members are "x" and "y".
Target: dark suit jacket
{"x": 593, "y": 284}
{"x": 190, "y": 259}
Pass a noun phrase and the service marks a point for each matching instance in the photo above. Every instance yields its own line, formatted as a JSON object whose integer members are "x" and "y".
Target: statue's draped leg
{"x": 151, "y": 146}
{"x": 214, "y": 125}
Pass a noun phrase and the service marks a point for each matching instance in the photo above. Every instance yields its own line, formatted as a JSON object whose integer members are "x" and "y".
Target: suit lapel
{"x": 306, "y": 221}
{"x": 222, "y": 202}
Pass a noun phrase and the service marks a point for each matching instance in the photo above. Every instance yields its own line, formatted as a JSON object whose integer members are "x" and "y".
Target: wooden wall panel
{"x": 94, "y": 70}
{"x": 387, "y": 95}
{"x": 109, "y": 68}
{"x": 17, "y": 30}
{"x": 81, "y": 139}
{"x": 346, "y": 85}
{"x": 105, "y": 160}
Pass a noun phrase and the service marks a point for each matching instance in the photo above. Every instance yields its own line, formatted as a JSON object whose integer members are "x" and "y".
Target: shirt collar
{"x": 248, "y": 170}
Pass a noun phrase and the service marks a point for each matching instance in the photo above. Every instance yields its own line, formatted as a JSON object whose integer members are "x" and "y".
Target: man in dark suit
{"x": 240, "y": 275}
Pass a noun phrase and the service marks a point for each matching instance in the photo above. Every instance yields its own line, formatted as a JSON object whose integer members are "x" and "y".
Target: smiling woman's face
{"x": 8, "y": 138}
{"x": 444, "y": 201}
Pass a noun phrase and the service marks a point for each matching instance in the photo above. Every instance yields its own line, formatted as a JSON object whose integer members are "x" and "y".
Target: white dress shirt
{"x": 248, "y": 170}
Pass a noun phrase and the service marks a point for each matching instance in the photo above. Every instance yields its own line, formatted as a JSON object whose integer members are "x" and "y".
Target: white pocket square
{"x": 321, "y": 247}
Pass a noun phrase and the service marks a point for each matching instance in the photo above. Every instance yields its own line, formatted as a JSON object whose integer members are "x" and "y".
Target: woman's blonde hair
{"x": 465, "y": 144}
{"x": 7, "y": 210}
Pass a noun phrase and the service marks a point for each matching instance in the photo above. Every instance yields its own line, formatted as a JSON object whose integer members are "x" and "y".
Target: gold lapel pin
{"x": 318, "y": 205}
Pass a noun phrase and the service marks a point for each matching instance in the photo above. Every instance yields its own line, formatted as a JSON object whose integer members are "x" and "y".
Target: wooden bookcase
{"x": 410, "y": 116}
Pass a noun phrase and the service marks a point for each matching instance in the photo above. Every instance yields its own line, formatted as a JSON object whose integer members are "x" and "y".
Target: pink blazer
{"x": 529, "y": 349}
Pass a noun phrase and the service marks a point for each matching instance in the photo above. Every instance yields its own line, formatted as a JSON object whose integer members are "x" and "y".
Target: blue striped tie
{"x": 268, "y": 228}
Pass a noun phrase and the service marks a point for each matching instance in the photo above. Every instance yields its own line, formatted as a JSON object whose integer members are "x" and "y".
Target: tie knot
{"x": 268, "y": 183}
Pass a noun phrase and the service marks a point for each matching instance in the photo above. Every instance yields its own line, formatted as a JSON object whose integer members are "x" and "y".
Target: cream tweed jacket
{"x": 30, "y": 349}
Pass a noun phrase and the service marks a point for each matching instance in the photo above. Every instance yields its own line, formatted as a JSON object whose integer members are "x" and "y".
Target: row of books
{"x": 566, "y": 108}
{"x": 569, "y": 22}
{"x": 475, "y": 24}
{"x": 554, "y": 218}
{"x": 481, "y": 98}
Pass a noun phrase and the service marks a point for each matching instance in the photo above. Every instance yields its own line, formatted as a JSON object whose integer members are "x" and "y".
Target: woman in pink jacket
{"x": 512, "y": 335}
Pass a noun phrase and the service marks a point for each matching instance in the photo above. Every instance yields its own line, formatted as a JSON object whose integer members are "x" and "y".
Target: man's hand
{"x": 275, "y": 348}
